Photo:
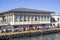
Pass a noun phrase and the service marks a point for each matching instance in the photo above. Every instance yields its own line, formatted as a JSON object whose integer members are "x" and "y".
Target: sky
{"x": 47, "y": 5}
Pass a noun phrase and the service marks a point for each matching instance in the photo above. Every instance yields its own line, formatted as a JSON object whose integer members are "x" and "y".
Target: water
{"x": 55, "y": 36}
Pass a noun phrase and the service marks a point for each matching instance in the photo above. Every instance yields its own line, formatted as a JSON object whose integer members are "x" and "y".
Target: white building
{"x": 56, "y": 21}
{"x": 24, "y": 17}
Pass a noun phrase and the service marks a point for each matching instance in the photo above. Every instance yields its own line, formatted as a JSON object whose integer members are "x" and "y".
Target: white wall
{"x": 56, "y": 18}
{"x": 10, "y": 18}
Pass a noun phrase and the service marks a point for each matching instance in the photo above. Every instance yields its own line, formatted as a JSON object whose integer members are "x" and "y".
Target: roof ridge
{"x": 27, "y": 10}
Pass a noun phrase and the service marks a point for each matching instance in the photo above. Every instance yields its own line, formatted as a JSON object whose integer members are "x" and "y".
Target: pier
{"x": 28, "y": 33}
{"x": 25, "y": 22}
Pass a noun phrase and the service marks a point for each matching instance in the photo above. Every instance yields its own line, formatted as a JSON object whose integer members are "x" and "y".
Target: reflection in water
{"x": 41, "y": 37}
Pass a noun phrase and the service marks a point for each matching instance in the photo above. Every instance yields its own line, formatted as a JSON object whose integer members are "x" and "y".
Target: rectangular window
{"x": 38, "y": 17}
{"x": 28, "y": 17}
{"x": 44, "y": 18}
{"x": 35, "y": 17}
{"x": 1, "y": 20}
{"x": 25, "y": 17}
{"x": 48, "y": 18}
{"x": 41, "y": 18}
{"x": 31, "y": 17}
{"x": 21, "y": 16}
{"x": 16, "y": 17}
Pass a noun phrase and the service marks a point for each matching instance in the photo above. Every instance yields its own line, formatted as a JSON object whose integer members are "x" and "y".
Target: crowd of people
{"x": 20, "y": 29}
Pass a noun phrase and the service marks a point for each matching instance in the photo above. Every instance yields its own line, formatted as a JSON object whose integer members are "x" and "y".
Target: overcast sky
{"x": 47, "y": 5}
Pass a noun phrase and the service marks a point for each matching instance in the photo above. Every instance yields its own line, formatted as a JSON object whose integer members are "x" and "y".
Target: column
{"x": 13, "y": 19}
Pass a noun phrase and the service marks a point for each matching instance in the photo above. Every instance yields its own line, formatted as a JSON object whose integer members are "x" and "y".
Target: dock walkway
{"x": 28, "y": 33}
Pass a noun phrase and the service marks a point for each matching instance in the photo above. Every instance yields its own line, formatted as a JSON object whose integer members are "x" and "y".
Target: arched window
{"x": 58, "y": 18}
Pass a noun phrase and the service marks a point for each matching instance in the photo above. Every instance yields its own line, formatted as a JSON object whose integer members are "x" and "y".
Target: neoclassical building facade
{"x": 25, "y": 17}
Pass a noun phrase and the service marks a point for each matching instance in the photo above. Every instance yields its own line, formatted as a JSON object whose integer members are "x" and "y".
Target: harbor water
{"x": 55, "y": 36}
